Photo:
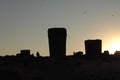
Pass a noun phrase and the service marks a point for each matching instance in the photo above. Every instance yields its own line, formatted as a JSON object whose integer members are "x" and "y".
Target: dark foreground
{"x": 67, "y": 68}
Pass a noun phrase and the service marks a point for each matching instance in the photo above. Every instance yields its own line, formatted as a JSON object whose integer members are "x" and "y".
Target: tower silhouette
{"x": 93, "y": 47}
{"x": 25, "y": 52}
{"x": 57, "y": 42}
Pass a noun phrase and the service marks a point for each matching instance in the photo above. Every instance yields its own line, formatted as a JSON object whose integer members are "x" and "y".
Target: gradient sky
{"x": 24, "y": 23}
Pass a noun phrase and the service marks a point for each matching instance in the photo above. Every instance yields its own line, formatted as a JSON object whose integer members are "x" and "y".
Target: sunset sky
{"x": 24, "y": 24}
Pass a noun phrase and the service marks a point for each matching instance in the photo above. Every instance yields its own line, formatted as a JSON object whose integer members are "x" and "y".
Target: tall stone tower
{"x": 57, "y": 42}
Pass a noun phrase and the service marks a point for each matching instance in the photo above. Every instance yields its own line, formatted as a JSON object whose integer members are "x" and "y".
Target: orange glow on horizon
{"x": 114, "y": 45}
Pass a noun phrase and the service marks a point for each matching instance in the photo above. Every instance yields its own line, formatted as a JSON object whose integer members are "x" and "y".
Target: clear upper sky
{"x": 24, "y": 23}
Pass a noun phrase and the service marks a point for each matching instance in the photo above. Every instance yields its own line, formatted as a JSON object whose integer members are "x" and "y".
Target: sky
{"x": 24, "y": 24}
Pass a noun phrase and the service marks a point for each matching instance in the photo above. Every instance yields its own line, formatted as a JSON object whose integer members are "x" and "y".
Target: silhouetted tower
{"x": 93, "y": 47}
{"x": 57, "y": 42}
{"x": 25, "y": 52}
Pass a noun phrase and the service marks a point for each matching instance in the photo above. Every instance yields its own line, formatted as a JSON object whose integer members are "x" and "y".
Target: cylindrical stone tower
{"x": 57, "y": 42}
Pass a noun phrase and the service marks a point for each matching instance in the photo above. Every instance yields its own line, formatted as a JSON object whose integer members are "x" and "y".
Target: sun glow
{"x": 114, "y": 46}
